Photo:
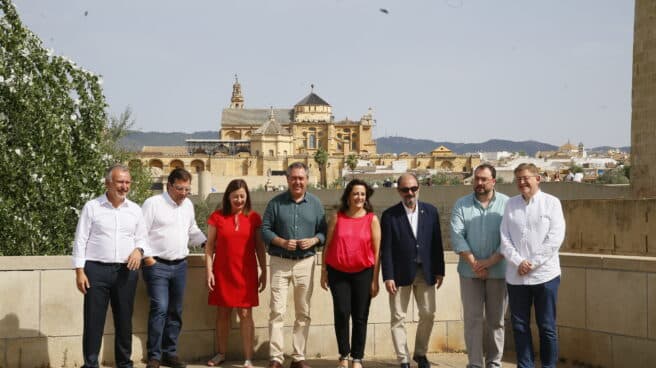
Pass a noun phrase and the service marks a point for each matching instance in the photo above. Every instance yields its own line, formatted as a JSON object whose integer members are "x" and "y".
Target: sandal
{"x": 216, "y": 360}
{"x": 357, "y": 361}
{"x": 343, "y": 360}
{"x": 248, "y": 363}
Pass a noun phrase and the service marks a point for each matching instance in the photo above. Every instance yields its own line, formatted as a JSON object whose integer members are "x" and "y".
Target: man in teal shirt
{"x": 293, "y": 226}
{"x": 475, "y": 237}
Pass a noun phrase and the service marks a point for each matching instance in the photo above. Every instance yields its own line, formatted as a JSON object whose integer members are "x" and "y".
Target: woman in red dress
{"x": 233, "y": 250}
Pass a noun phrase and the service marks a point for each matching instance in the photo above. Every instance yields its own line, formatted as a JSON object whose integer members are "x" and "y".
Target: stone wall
{"x": 606, "y": 316}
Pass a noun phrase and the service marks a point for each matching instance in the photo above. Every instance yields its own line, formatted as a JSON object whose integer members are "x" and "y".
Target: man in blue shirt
{"x": 475, "y": 237}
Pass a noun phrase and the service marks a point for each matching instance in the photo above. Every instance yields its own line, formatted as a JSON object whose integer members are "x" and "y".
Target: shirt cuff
{"x": 79, "y": 262}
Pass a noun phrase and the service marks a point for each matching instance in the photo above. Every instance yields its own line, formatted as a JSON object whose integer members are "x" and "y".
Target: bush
{"x": 54, "y": 142}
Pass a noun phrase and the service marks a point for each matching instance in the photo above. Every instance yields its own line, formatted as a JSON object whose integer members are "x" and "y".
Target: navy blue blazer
{"x": 398, "y": 246}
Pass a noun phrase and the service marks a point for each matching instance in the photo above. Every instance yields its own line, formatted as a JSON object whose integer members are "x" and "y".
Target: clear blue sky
{"x": 453, "y": 70}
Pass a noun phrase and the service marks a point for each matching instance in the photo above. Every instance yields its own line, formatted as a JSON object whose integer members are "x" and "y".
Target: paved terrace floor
{"x": 450, "y": 360}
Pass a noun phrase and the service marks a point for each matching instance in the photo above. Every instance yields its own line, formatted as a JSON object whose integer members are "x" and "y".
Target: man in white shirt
{"x": 110, "y": 241}
{"x": 171, "y": 225}
{"x": 532, "y": 230}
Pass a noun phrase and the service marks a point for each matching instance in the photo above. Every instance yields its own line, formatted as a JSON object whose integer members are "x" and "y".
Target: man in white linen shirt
{"x": 171, "y": 225}
{"x": 532, "y": 230}
{"x": 110, "y": 241}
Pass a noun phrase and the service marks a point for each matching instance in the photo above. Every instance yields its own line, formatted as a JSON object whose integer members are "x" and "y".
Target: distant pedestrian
{"x": 532, "y": 231}
{"x": 232, "y": 254}
{"x": 412, "y": 259}
{"x": 351, "y": 268}
{"x": 292, "y": 227}
{"x": 475, "y": 222}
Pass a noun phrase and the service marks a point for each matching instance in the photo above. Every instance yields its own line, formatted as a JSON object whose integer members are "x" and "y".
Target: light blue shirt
{"x": 475, "y": 229}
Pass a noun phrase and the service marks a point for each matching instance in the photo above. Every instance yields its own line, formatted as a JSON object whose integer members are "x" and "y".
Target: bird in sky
{"x": 383, "y": 10}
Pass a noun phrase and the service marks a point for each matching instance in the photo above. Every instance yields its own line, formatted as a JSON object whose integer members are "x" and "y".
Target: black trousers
{"x": 108, "y": 283}
{"x": 351, "y": 300}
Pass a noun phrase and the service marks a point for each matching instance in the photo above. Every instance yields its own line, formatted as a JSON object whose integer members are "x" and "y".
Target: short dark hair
{"x": 398, "y": 181}
{"x": 234, "y": 185}
{"x": 485, "y": 165}
{"x": 297, "y": 165}
{"x": 369, "y": 191}
{"x": 179, "y": 174}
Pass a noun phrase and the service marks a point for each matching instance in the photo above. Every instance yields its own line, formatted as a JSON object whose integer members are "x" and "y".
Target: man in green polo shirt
{"x": 293, "y": 226}
{"x": 475, "y": 237}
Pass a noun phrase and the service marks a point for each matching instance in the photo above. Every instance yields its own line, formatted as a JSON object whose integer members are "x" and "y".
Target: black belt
{"x": 293, "y": 256}
{"x": 170, "y": 263}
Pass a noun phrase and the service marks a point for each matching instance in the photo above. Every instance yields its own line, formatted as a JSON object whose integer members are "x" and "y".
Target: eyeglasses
{"x": 407, "y": 189}
{"x": 520, "y": 179}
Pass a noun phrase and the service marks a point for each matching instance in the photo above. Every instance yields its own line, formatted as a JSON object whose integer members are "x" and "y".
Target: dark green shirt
{"x": 291, "y": 220}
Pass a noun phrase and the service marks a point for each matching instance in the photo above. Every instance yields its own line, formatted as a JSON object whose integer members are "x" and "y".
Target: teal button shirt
{"x": 476, "y": 229}
{"x": 291, "y": 220}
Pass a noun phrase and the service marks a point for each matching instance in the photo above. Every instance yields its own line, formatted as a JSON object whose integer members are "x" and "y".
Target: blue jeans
{"x": 544, "y": 296}
{"x": 165, "y": 284}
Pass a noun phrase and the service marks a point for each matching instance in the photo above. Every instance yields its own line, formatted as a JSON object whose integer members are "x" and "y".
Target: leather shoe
{"x": 153, "y": 363}
{"x": 299, "y": 364}
{"x": 274, "y": 364}
{"x": 422, "y": 362}
{"x": 405, "y": 365}
{"x": 173, "y": 362}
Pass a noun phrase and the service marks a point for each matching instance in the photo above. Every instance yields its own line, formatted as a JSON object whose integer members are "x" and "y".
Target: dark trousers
{"x": 166, "y": 284}
{"x": 351, "y": 299}
{"x": 544, "y": 297}
{"x": 108, "y": 283}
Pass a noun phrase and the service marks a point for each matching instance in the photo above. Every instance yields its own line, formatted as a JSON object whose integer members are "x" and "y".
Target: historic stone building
{"x": 258, "y": 144}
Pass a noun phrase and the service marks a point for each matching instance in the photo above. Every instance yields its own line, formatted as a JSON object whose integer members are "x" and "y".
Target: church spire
{"x": 237, "y": 100}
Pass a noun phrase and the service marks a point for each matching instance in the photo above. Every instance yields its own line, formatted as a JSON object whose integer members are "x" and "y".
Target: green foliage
{"x": 352, "y": 161}
{"x": 615, "y": 176}
{"x": 574, "y": 168}
{"x": 54, "y": 147}
{"x": 446, "y": 179}
{"x": 321, "y": 158}
{"x": 117, "y": 129}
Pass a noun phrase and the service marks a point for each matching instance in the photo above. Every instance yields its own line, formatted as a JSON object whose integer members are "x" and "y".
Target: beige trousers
{"x": 425, "y": 298}
{"x": 299, "y": 273}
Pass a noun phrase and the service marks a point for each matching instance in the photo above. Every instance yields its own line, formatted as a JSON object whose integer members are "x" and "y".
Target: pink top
{"x": 350, "y": 249}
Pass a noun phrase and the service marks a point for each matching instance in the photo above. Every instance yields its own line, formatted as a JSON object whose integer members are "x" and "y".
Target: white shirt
{"x": 532, "y": 231}
{"x": 108, "y": 234}
{"x": 413, "y": 217}
{"x": 171, "y": 227}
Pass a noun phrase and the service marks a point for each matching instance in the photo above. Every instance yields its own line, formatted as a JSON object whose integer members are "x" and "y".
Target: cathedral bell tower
{"x": 237, "y": 100}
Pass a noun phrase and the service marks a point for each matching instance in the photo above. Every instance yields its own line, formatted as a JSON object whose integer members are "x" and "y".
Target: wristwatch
{"x": 140, "y": 251}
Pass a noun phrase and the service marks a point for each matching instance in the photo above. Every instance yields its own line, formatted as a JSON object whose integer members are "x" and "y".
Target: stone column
{"x": 204, "y": 184}
{"x": 643, "y": 117}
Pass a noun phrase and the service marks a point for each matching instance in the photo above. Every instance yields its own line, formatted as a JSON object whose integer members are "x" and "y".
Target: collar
{"x": 533, "y": 198}
{"x": 169, "y": 200}
{"x": 478, "y": 203}
{"x": 104, "y": 200}
{"x": 289, "y": 197}
{"x": 408, "y": 211}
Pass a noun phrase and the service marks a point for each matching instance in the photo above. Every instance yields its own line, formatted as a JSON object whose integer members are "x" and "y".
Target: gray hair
{"x": 110, "y": 170}
{"x": 297, "y": 165}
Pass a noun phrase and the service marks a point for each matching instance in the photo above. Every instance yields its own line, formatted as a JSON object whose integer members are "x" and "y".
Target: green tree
{"x": 352, "y": 162}
{"x": 321, "y": 158}
{"x": 53, "y": 142}
{"x": 615, "y": 176}
{"x": 117, "y": 128}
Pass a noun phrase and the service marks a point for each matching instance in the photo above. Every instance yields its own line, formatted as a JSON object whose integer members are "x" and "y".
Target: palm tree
{"x": 352, "y": 163}
{"x": 321, "y": 158}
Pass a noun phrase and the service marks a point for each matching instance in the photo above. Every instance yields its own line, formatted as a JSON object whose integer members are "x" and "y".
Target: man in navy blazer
{"x": 412, "y": 259}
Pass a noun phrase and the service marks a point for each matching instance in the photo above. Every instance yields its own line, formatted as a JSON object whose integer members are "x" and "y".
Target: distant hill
{"x": 413, "y": 146}
{"x": 606, "y": 148}
{"x": 135, "y": 140}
